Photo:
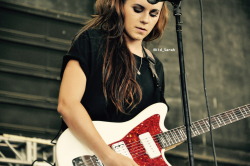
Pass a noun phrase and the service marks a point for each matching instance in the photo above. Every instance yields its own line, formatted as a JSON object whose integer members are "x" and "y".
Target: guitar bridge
{"x": 87, "y": 161}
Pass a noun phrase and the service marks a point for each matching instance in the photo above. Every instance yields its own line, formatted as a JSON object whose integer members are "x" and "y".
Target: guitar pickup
{"x": 121, "y": 148}
{"x": 149, "y": 145}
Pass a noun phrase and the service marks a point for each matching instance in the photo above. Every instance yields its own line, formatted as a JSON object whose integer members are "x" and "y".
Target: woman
{"x": 105, "y": 73}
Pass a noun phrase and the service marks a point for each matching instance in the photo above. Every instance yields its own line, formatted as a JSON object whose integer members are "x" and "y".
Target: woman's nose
{"x": 145, "y": 19}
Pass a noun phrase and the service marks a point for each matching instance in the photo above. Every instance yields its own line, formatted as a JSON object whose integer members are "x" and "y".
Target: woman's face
{"x": 140, "y": 17}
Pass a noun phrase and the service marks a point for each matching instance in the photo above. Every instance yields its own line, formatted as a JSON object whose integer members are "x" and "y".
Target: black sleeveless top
{"x": 87, "y": 50}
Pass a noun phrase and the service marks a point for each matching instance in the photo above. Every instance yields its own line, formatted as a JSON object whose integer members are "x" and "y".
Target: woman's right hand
{"x": 116, "y": 159}
{"x": 78, "y": 120}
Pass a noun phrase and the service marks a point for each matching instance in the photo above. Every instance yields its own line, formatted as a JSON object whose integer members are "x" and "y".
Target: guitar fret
{"x": 169, "y": 138}
{"x": 235, "y": 114}
{"x": 229, "y": 118}
{"x": 201, "y": 127}
{"x": 232, "y": 117}
{"x": 192, "y": 132}
{"x": 162, "y": 140}
{"x": 207, "y": 126}
{"x": 172, "y": 137}
{"x": 206, "y": 121}
{"x": 184, "y": 134}
{"x": 218, "y": 120}
{"x": 245, "y": 109}
{"x": 214, "y": 119}
{"x": 248, "y": 108}
{"x": 235, "y": 117}
{"x": 238, "y": 114}
{"x": 181, "y": 134}
{"x": 178, "y": 135}
{"x": 197, "y": 131}
{"x": 198, "y": 127}
{"x": 241, "y": 112}
{"x": 223, "y": 120}
{"x": 166, "y": 140}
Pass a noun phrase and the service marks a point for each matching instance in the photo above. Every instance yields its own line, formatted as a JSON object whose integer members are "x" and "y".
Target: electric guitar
{"x": 144, "y": 138}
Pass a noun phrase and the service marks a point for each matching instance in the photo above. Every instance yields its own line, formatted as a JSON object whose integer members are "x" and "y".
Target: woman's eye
{"x": 154, "y": 14}
{"x": 137, "y": 10}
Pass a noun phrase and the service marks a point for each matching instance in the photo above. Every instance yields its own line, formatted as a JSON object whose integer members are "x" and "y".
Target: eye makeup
{"x": 139, "y": 8}
{"x": 154, "y": 12}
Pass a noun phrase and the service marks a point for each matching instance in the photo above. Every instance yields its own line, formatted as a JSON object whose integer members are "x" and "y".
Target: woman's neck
{"x": 135, "y": 46}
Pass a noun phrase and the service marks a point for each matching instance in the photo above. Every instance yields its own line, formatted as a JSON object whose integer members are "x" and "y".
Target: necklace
{"x": 138, "y": 70}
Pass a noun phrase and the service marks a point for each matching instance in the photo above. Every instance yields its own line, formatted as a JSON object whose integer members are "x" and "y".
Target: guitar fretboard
{"x": 178, "y": 135}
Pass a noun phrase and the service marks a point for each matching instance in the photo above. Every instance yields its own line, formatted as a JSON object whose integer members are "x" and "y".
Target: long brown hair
{"x": 119, "y": 67}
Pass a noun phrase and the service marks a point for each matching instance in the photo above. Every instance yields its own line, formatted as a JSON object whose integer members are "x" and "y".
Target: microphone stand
{"x": 177, "y": 13}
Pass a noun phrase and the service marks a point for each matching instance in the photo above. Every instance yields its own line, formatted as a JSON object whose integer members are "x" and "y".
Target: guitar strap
{"x": 156, "y": 79}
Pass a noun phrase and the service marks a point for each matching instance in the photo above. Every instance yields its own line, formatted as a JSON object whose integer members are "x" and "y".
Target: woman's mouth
{"x": 140, "y": 28}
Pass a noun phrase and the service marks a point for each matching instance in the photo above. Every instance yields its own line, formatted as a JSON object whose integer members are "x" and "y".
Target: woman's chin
{"x": 136, "y": 37}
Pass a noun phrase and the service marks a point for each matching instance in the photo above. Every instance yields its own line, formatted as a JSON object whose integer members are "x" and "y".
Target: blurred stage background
{"x": 35, "y": 34}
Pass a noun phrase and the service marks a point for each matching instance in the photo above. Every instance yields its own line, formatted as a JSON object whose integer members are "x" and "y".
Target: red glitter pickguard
{"x": 136, "y": 149}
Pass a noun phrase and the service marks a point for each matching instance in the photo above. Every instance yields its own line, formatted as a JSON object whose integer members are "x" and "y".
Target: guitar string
{"x": 215, "y": 124}
{"x": 143, "y": 152}
{"x": 227, "y": 120}
{"x": 238, "y": 114}
{"x": 202, "y": 123}
{"x": 180, "y": 137}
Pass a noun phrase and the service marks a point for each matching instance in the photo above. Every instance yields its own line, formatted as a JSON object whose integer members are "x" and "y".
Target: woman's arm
{"x": 77, "y": 119}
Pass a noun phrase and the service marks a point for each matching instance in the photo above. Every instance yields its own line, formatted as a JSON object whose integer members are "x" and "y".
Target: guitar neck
{"x": 178, "y": 135}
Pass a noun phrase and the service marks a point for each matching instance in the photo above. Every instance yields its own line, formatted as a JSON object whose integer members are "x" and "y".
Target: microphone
{"x": 156, "y": 1}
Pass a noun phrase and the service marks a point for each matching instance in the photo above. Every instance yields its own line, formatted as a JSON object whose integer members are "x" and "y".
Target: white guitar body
{"x": 143, "y": 138}
{"x": 69, "y": 147}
